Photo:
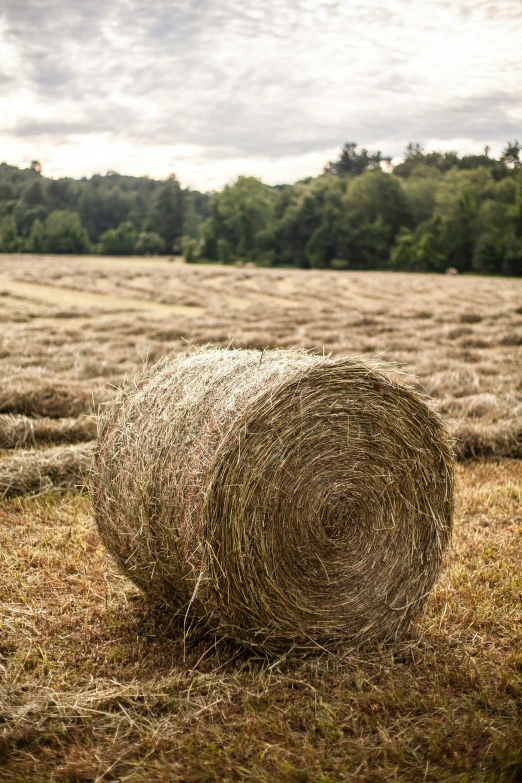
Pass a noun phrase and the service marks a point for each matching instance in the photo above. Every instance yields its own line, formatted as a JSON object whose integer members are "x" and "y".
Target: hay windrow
{"x": 18, "y": 432}
{"x": 50, "y": 398}
{"x": 35, "y": 472}
{"x": 498, "y": 440}
{"x": 292, "y": 502}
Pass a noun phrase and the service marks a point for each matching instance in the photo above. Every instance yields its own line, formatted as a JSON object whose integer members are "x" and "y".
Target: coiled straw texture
{"x": 290, "y": 501}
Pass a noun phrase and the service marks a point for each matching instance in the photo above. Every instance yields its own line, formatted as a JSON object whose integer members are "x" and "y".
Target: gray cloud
{"x": 271, "y": 78}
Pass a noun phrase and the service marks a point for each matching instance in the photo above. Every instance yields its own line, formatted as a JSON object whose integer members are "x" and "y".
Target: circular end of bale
{"x": 290, "y": 501}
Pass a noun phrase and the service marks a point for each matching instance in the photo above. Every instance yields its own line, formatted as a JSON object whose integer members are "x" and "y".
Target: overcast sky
{"x": 210, "y": 89}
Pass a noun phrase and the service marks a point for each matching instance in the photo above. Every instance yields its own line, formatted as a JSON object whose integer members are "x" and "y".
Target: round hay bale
{"x": 292, "y": 502}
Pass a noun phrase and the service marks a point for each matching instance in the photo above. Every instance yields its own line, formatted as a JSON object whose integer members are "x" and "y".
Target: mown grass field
{"x": 95, "y": 684}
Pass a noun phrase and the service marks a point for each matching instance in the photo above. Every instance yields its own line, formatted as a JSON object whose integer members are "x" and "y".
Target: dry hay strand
{"x": 291, "y": 502}
{"x": 37, "y": 472}
{"x": 17, "y": 432}
{"x": 34, "y": 396}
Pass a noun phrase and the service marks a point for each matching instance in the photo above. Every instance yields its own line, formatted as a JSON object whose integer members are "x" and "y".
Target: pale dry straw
{"x": 18, "y": 432}
{"x": 292, "y": 502}
{"x": 49, "y": 397}
{"x": 36, "y": 472}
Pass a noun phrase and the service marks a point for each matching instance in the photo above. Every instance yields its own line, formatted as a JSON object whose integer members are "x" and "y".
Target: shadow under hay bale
{"x": 293, "y": 502}
{"x": 17, "y": 432}
{"x": 36, "y": 472}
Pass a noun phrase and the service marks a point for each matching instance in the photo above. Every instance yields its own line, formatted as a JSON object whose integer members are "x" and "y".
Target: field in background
{"x": 93, "y": 686}
{"x": 96, "y": 320}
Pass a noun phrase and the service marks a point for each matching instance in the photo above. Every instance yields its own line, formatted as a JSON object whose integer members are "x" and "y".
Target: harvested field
{"x": 95, "y": 685}
{"x": 460, "y": 336}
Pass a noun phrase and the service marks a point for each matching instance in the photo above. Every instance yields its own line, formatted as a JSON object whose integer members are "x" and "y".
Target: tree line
{"x": 111, "y": 215}
{"x": 432, "y": 211}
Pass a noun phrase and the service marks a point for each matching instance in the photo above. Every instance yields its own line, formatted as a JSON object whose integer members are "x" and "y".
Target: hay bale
{"x": 292, "y": 502}
{"x": 36, "y": 472}
{"x": 49, "y": 397}
{"x": 17, "y": 432}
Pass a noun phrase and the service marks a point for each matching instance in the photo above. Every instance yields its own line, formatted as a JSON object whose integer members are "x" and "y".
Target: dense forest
{"x": 432, "y": 211}
{"x": 111, "y": 214}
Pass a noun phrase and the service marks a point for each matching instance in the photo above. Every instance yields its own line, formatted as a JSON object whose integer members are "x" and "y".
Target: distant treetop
{"x": 354, "y": 162}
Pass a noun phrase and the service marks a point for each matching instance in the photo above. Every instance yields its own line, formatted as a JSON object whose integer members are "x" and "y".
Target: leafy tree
{"x": 462, "y": 199}
{"x": 488, "y": 253}
{"x": 377, "y": 194}
{"x": 402, "y": 255}
{"x": 515, "y": 212}
{"x": 352, "y": 162}
{"x": 374, "y": 208}
{"x": 190, "y": 250}
{"x": 511, "y": 155}
{"x": 512, "y": 261}
{"x": 119, "y": 241}
{"x": 166, "y": 214}
{"x": 364, "y": 245}
{"x": 35, "y": 242}
{"x": 195, "y": 211}
{"x": 102, "y": 208}
{"x": 436, "y": 209}
{"x": 34, "y": 194}
{"x": 415, "y": 157}
{"x": 478, "y": 183}
{"x": 10, "y": 241}
{"x": 237, "y": 216}
{"x": 61, "y": 193}
{"x": 6, "y": 191}
{"x": 420, "y": 250}
{"x": 63, "y": 233}
{"x": 460, "y": 232}
{"x": 25, "y": 216}
{"x": 103, "y": 202}
{"x": 304, "y": 231}
{"x": 149, "y": 244}
{"x": 421, "y": 191}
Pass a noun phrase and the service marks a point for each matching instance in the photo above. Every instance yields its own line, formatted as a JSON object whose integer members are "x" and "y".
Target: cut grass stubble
{"x": 95, "y": 686}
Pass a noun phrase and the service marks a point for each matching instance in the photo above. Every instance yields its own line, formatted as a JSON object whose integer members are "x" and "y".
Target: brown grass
{"x": 95, "y": 687}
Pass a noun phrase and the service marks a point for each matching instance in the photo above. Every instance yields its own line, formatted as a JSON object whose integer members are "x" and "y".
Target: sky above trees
{"x": 212, "y": 89}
